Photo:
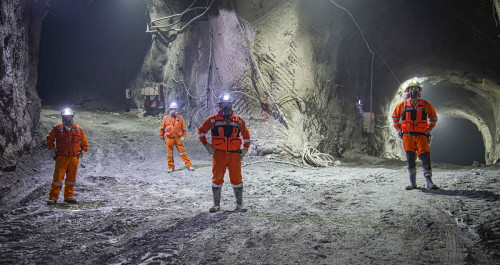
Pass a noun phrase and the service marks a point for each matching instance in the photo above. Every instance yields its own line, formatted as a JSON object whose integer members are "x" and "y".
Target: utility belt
{"x": 415, "y": 133}
{"x": 227, "y": 151}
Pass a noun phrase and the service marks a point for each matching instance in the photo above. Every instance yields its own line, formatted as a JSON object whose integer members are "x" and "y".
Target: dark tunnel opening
{"x": 90, "y": 51}
{"x": 457, "y": 141}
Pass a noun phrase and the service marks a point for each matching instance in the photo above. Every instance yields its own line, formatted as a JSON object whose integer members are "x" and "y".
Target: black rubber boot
{"x": 411, "y": 157}
{"x": 216, "y": 192}
{"x": 70, "y": 200}
{"x": 426, "y": 165}
{"x": 238, "y": 193}
{"x": 413, "y": 179}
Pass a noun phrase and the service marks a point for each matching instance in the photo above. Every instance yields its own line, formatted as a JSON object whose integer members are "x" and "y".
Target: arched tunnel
{"x": 315, "y": 81}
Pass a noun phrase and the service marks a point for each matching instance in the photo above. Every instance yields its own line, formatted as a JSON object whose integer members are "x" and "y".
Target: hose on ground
{"x": 313, "y": 158}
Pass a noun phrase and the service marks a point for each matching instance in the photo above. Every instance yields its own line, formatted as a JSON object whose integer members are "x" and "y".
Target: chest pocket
{"x": 76, "y": 135}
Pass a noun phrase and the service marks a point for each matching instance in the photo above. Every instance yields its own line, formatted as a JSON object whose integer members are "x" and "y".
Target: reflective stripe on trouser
{"x": 222, "y": 160}
{"x": 65, "y": 165}
{"x": 169, "y": 144}
{"x": 416, "y": 143}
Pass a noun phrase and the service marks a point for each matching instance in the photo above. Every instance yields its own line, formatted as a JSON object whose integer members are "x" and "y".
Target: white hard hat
{"x": 413, "y": 83}
{"x": 173, "y": 105}
{"x": 67, "y": 112}
{"x": 225, "y": 98}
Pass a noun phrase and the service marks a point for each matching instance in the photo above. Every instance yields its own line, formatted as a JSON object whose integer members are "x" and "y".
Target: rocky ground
{"x": 132, "y": 212}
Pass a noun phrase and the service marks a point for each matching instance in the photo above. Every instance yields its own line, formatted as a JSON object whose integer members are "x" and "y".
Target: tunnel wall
{"x": 20, "y": 27}
{"x": 280, "y": 60}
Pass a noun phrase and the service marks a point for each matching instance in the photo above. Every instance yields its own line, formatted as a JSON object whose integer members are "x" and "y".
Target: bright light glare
{"x": 226, "y": 97}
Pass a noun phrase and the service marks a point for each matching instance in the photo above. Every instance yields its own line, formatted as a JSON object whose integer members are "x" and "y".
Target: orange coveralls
{"x": 412, "y": 120}
{"x": 68, "y": 146}
{"x": 227, "y": 143}
{"x": 172, "y": 128}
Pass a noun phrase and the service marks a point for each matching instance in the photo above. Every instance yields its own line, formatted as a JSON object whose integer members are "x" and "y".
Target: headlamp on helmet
{"x": 413, "y": 90}
{"x": 225, "y": 98}
{"x": 225, "y": 104}
{"x": 174, "y": 105}
{"x": 173, "y": 108}
{"x": 67, "y": 112}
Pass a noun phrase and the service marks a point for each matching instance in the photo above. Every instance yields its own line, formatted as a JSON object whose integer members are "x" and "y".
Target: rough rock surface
{"x": 20, "y": 26}
{"x": 278, "y": 58}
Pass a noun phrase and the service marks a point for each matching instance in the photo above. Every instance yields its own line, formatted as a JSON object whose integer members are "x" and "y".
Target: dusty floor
{"x": 132, "y": 212}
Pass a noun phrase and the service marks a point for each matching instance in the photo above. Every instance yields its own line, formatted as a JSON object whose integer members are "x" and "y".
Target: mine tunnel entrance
{"x": 457, "y": 141}
{"x": 90, "y": 51}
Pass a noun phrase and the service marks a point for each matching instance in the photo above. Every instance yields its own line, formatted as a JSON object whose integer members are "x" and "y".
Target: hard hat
{"x": 67, "y": 112}
{"x": 225, "y": 98}
{"x": 413, "y": 84}
{"x": 173, "y": 105}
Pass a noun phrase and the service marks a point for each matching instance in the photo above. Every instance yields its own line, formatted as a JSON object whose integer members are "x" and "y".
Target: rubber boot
{"x": 430, "y": 185}
{"x": 238, "y": 193}
{"x": 413, "y": 179}
{"x": 411, "y": 158}
{"x": 427, "y": 168}
{"x": 216, "y": 192}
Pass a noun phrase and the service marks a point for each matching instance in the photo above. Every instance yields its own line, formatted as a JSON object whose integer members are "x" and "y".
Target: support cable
{"x": 152, "y": 28}
{"x": 373, "y": 53}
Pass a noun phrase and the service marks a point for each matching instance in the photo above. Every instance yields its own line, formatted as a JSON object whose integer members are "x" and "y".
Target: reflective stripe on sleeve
{"x": 182, "y": 154}
{"x": 246, "y": 140}
{"x": 170, "y": 155}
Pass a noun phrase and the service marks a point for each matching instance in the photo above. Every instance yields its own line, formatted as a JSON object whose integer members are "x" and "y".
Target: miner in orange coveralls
{"x": 67, "y": 144}
{"x": 173, "y": 131}
{"x": 414, "y": 120}
{"x": 229, "y": 132}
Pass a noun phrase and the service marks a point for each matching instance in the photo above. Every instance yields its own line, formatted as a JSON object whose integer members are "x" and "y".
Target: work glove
{"x": 243, "y": 152}
{"x": 400, "y": 133}
{"x": 182, "y": 139}
{"x": 53, "y": 153}
{"x": 80, "y": 155}
{"x": 429, "y": 136}
{"x": 209, "y": 148}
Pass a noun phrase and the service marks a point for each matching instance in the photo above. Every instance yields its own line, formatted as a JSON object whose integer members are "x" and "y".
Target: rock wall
{"x": 279, "y": 59}
{"x": 20, "y": 27}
